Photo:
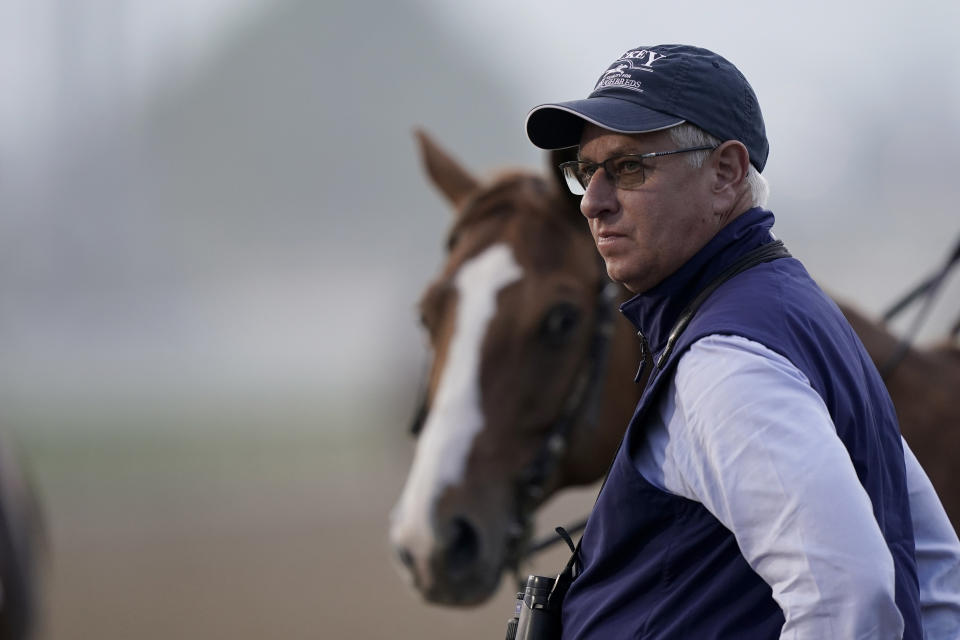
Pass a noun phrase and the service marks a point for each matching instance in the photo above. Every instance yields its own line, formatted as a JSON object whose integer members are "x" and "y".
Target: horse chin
{"x": 482, "y": 580}
{"x": 465, "y": 592}
{"x": 441, "y": 582}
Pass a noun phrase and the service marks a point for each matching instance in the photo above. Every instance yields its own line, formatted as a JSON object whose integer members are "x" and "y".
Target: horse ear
{"x": 555, "y": 159}
{"x": 446, "y": 173}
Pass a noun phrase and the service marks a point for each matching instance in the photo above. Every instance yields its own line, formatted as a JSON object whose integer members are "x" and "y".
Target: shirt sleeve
{"x": 748, "y": 437}
{"x": 937, "y": 553}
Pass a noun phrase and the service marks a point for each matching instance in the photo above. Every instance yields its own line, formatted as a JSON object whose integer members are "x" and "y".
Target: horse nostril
{"x": 464, "y": 547}
{"x": 406, "y": 558}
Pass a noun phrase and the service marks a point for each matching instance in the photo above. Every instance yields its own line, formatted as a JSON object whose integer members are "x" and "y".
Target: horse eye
{"x": 558, "y": 325}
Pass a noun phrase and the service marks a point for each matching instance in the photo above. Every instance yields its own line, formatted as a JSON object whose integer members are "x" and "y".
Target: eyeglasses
{"x": 626, "y": 171}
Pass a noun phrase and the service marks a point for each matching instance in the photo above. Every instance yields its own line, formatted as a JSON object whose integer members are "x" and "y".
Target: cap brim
{"x": 559, "y": 125}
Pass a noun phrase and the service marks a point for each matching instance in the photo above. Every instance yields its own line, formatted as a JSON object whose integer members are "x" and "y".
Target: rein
{"x": 928, "y": 289}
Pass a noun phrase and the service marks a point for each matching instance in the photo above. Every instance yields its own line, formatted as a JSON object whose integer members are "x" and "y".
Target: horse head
{"x": 514, "y": 319}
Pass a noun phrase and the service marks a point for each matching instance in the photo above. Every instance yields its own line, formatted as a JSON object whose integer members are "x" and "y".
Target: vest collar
{"x": 654, "y": 312}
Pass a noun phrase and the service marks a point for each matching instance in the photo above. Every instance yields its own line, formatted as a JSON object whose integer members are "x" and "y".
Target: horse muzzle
{"x": 452, "y": 563}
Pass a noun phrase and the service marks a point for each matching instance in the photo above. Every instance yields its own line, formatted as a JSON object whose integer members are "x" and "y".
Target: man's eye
{"x": 627, "y": 166}
{"x": 587, "y": 171}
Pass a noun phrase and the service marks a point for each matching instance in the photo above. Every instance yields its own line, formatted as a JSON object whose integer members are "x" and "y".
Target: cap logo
{"x": 620, "y": 74}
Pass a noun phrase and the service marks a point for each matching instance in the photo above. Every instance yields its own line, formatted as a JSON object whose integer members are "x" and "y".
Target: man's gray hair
{"x": 688, "y": 135}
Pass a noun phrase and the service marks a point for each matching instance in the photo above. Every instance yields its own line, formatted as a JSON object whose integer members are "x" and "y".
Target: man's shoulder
{"x": 769, "y": 298}
{"x": 779, "y": 306}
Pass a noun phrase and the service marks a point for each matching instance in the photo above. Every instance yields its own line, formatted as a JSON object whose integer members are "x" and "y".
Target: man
{"x": 762, "y": 489}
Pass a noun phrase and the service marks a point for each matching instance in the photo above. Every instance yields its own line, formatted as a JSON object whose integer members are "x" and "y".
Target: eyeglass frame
{"x": 568, "y": 169}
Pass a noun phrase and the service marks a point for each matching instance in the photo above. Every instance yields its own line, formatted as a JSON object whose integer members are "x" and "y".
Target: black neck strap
{"x": 765, "y": 253}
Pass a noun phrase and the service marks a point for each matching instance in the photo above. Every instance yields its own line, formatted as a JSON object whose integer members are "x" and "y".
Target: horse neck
{"x": 922, "y": 386}
{"x": 593, "y": 445}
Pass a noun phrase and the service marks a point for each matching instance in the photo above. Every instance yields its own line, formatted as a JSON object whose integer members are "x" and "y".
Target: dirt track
{"x": 238, "y": 537}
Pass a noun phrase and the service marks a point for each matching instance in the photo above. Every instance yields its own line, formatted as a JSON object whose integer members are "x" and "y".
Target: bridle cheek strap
{"x": 581, "y": 407}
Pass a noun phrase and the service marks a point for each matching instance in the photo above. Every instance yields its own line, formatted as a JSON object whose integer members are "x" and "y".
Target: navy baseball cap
{"x": 652, "y": 88}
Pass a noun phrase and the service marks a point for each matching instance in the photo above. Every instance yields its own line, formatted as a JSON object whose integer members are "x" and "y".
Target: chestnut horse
{"x": 532, "y": 381}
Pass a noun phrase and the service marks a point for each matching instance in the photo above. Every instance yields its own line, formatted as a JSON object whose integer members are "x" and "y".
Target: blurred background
{"x": 214, "y": 229}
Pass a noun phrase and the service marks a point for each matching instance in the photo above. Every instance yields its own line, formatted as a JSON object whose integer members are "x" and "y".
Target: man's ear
{"x": 730, "y": 163}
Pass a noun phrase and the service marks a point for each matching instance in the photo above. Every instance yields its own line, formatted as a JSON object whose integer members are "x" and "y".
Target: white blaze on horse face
{"x": 456, "y": 416}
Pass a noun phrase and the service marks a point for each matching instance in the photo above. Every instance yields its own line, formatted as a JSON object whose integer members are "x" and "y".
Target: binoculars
{"x": 535, "y": 617}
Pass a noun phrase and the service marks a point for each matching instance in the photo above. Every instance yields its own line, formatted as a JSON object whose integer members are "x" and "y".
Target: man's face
{"x": 647, "y": 233}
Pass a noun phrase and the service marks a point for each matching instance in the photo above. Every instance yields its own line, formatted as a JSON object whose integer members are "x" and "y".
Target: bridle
{"x": 581, "y": 406}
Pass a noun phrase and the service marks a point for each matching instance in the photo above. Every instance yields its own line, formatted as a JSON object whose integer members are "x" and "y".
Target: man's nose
{"x": 600, "y": 195}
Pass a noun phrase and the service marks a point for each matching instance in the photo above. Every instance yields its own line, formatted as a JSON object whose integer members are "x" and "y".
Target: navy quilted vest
{"x": 659, "y": 566}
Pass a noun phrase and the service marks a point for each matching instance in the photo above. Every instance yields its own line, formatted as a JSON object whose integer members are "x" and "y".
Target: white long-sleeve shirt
{"x": 740, "y": 430}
